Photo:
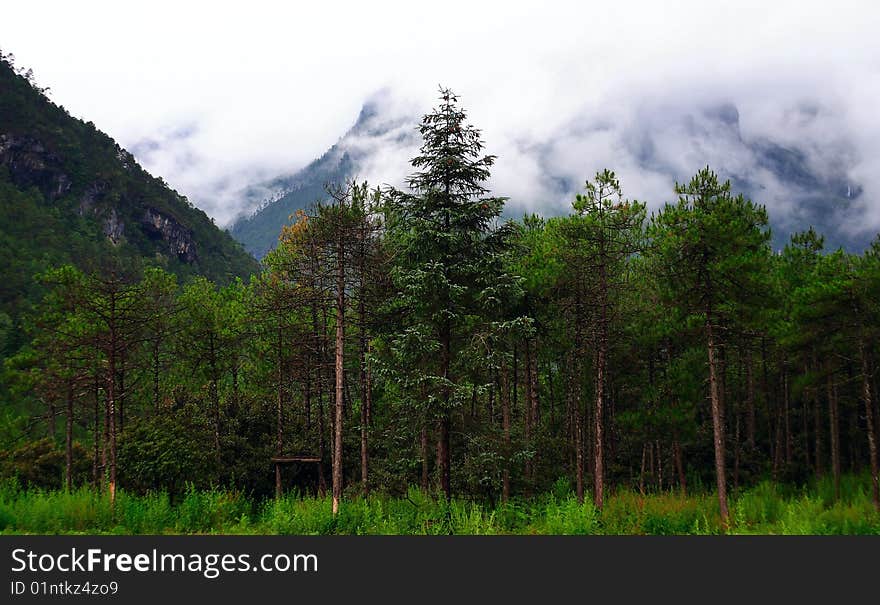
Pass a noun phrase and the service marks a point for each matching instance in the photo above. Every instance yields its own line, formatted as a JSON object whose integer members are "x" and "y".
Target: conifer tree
{"x": 448, "y": 254}
{"x": 711, "y": 248}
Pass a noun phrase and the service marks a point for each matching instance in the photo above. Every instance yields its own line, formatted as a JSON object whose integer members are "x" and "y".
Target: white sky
{"x": 237, "y": 91}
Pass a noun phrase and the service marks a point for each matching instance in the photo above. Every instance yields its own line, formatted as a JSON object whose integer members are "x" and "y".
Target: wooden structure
{"x": 279, "y": 460}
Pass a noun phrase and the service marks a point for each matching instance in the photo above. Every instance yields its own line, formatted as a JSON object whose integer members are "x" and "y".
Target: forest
{"x": 410, "y": 361}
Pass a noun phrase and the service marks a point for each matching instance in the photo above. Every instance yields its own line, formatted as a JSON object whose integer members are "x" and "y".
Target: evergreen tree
{"x": 610, "y": 232}
{"x": 711, "y": 248}
{"x": 448, "y": 261}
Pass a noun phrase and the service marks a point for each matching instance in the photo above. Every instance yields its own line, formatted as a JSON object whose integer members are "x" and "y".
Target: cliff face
{"x": 176, "y": 236}
{"x": 31, "y": 164}
{"x": 68, "y": 166}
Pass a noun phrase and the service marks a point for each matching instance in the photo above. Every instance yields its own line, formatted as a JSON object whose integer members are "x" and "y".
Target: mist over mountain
{"x": 378, "y": 143}
{"x": 69, "y": 193}
{"x": 797, "y": 160}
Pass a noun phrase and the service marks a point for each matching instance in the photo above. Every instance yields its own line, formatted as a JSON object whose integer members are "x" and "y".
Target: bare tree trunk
{"x": 736, "y": 446}
{"x": 765, "y": 390}
{"x": 817, "y": 421}
{"x": 215, "y": 396}
{"x": 599, "y": 451}
{"x": 789, "y": 441}
{"x": 105, "y": 439}
{"x": 751, "y": 419}
{"x": 778, "y": 451}
{"x": 805, "y": 427}
{"x": 659, "y": 467}
{"x": 717, "y": 424}
{"x": 340, "y": 376}
{"x": 869, "y": 421}
{"x": 534, "y": 396}
{"x": 307, "y": 392}
{"x": 319, "y": 342}
{"x": 834, "y": 423}
{"x": 505, "y": 427}
{"x": 642, "y": 472}
{"x": 365, "y": 417}
{"x": 156, "y": 361}
{"x": 97, "y": 439}
{"x": 527, "y": 408}
{"x": 578, "y": 436}
{"x": 279, "y": 419}
{"x": 679, "y": 466}
{"x": 443, "y": 424}
{"x": 111, "y": 414}
{"x": 68, "y": 439}
{"x": 120, "y": 393}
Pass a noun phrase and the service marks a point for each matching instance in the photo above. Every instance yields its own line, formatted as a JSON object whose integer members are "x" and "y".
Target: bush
{"x": 41, "y": 464}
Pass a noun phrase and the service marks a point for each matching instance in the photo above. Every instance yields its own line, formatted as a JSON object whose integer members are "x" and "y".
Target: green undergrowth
{"x": 766, "y": 508}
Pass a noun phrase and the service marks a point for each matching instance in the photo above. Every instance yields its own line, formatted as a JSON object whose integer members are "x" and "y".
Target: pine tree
{"x": 611, "y": 232}
{"x": 448, "y": 254}
{"x": 711, "y": 248}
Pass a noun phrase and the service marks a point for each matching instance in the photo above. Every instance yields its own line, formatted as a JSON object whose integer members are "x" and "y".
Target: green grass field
{"x": 763, "y": 509}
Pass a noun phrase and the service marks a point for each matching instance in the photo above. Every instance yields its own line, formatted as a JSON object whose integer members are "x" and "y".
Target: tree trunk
{"x": 340, "y": 377}
{"x": 443, "y": 424}
{"x": 215, "y": 396}
{"x": 279, "y": 420}
{"x": 423, "y": 451}
{"x": 817, "y": 421}
{"x": 534, "y": 395}
{"x": 505, "y": 427}
{"x": 578, "y": 437}
{"x": 789, "y": 440}
{"x": 120, "y": 393}
{"x": 111, "y": 414}
{"x": 105, "y": 439}
{"x": 834, "y": 426}
{"x": 869, "y": 421}
{"x": 679, "y": 466}
{"x": 365, "y": 415}
{"x": 751, "y": 417}
{"x": 642, "y": 472}
{"x": 50, "y": 421}
{"x": 96, "y": 438}
{"x": 156, "y": 361}
{"x": 68, "y": 439}
{"x": 599, "y": 450}
{"x": 322, "y": 449}
{"x": 527, "y": 408}
{"x": 717, "y": 424}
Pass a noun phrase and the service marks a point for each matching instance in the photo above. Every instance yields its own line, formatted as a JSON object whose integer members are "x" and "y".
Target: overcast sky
{"x": 212, "y": 96}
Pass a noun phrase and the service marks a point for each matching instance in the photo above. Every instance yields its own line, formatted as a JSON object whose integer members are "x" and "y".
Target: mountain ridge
{"x": 70, "y": 194}
{"x": 74, "y": 165}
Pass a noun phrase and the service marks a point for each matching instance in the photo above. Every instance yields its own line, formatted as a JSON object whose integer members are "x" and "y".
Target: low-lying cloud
{"x": 216, "y": 101}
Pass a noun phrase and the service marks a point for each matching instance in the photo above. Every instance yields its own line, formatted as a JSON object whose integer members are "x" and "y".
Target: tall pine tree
{"x": 711, "y": 248}
{"x": 448, "y": 254}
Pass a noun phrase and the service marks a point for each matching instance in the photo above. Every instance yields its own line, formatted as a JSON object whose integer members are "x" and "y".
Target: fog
{"x": 220, "y": 96}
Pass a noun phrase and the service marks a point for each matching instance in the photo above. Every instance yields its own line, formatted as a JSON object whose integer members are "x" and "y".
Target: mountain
{"x": 70, "y": 193}
{"x": 801, "y": 177}
{"x": 352, "y": 156}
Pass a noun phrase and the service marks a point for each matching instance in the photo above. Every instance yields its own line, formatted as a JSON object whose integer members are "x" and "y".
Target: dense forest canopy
{"x": 399, "y": 338}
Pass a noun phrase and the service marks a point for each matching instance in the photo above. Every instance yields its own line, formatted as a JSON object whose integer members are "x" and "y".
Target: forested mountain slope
{"x": 70, "y": 193}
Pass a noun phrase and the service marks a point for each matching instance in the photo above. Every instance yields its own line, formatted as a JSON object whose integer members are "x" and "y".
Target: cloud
{"x": 215, "y": 100}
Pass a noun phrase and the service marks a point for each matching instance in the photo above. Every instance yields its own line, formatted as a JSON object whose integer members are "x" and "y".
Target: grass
{"x": 764, "y": 509}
